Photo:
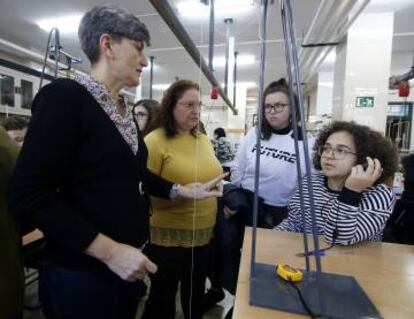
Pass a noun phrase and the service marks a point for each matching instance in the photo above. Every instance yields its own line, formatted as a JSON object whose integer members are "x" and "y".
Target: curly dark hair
{"x": 276, "y": 86}
{"x": 367, "y": 142}
{"x": 15, "y": 122}
{"x": 168, "y": 103}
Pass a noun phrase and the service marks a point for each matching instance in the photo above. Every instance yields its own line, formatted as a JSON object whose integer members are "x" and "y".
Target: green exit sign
{"x": 365, "y": 101}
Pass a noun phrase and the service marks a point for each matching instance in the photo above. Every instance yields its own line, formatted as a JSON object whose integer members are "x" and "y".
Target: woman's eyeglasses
{"x": 191, "y": 106}
{"x": 140, "y": 115}
{"x": 275, "y": 108}
{"x": 339, "y": 153}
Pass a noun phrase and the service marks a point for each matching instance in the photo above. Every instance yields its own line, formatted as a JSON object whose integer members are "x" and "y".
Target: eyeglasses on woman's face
{"x": 190, "y": 106}
{"x": 141, "y": 115}
{"x": 275, "y": 108}
{"x": 338, "y": 152}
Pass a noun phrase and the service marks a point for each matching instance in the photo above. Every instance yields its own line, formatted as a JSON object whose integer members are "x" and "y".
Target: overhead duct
{"x": 167, "y": 13}
{"x": 330, "y": 24}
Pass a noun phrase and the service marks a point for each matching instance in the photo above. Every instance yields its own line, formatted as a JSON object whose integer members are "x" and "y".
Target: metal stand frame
{"x": 331, "y": 295}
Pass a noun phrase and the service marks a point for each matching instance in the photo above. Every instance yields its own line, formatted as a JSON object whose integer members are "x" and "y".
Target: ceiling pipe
{"x": 327, "y": 30}
{"x": 211, "y": 37}
{"x": 331, "y": 23}
{"x": 167, "y": 13}
{"x": 342, "y": 33}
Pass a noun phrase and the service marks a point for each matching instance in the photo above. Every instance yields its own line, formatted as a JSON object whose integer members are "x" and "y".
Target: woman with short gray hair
{"x": 82, "y": 178}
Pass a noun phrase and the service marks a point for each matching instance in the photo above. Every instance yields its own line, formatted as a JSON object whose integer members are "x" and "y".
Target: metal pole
{"x": 164, "y": 9}
{"x": 235, "y": 77}
{"x": 57, "y": 51}
{"x": 228, "y": 23}
{"x": 151, "y": 75}
{"x": 263, "y": 21}
{"x": 55, "y": 32}
{"x": 211, "y": 38}
{"x": 293, "y": 111}
{"x": 297, "y": 79}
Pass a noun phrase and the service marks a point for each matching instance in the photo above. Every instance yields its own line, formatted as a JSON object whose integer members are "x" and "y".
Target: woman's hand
{"x": 361, "y": 179}
{"x": 228, "y": 213}
{"x": 213, "y": 188}
{"x": 130, "y": 263}
{"x": 126, "y": 261}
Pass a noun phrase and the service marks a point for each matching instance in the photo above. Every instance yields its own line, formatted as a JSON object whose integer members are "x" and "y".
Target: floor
{"x": 217, "y": 312}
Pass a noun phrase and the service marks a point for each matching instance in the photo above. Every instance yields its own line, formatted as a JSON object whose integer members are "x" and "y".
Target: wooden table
{"x": 385, "y": 272}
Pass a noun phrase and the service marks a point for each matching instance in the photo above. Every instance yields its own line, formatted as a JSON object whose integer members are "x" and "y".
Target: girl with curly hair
{"x": 352, "y": 199}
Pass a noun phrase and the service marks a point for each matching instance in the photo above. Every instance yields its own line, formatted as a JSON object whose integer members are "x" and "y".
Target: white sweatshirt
{"x": 278, "y": 173}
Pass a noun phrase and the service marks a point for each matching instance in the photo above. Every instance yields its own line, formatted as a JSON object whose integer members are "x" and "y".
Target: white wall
{"x": 324, "y": 93}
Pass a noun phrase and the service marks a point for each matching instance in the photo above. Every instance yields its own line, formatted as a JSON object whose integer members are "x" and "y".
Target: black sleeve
{"x": 156, "y": 186}
{"x": 45, "y": 163}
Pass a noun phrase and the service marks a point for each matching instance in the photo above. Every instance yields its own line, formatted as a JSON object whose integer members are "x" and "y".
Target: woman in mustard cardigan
{"x": 180, "y": 229}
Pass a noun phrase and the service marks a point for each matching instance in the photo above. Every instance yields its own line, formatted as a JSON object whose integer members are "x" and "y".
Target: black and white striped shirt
{"x": 355, "y": 216}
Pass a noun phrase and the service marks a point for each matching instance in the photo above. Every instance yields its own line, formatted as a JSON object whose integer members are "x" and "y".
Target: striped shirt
{"x": 355, "y": 216}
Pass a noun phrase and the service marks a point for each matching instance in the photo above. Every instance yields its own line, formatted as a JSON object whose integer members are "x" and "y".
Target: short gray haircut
{"x": 112, "y": 20}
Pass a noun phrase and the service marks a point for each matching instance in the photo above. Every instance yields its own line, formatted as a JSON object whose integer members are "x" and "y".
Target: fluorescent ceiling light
{"x": 65, "y": 24}
{"x": 247, "y": 84}
{"x": 241, "y": 60}
{"x": 196, "y": 9}
{"x": 160, "y": 87}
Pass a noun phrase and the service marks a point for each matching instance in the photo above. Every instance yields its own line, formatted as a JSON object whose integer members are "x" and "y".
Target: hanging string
{"x": 196, "y": 181}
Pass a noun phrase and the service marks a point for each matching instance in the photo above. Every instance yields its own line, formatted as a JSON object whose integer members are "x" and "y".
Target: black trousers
{"x": 68, "y": 294}
{"x": 175, "y": 266}
{"x": 225, "y": 251}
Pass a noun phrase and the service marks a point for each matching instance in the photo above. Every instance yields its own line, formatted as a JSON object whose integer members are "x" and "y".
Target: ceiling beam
{"x": 167, "y": 13}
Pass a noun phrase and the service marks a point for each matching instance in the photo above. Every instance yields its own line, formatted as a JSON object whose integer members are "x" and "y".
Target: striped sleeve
{"x": 292, "y": 223}
{"x": 357, "y": 217}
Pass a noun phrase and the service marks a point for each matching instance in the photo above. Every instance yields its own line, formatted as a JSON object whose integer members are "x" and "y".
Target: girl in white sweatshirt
{"x": 278, "y": 173}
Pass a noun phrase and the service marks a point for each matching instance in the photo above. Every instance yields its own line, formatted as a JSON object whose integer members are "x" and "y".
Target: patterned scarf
{"x": 125, "y": 125}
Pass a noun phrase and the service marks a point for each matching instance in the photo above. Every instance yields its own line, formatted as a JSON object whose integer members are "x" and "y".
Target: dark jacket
{"x": 408, "y": 164}
{"x": 11, "y": 266}
{"x": 76, "y": 176}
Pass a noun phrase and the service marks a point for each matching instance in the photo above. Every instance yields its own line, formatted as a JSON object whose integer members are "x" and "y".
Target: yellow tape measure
{"x": 289, "y": 273}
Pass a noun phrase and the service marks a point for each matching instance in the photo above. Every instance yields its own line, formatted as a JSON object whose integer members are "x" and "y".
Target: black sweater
{"x": 76, "y": 176}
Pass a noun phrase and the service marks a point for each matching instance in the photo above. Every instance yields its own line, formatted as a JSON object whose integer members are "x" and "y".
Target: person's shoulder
{"x": 156, "y": 136}
{"x": 300, "y": 135}
{"x": 62, "y": 94}
{"x": 64, "y": 90}
{"x": 251, "y": 134}
{"x": 63, "y": 86}
{"x": 382, "y": 188}
{"x": 205, "y": 139}
{"x": 316, "y": 176}
{"x": 379, "y": 195}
